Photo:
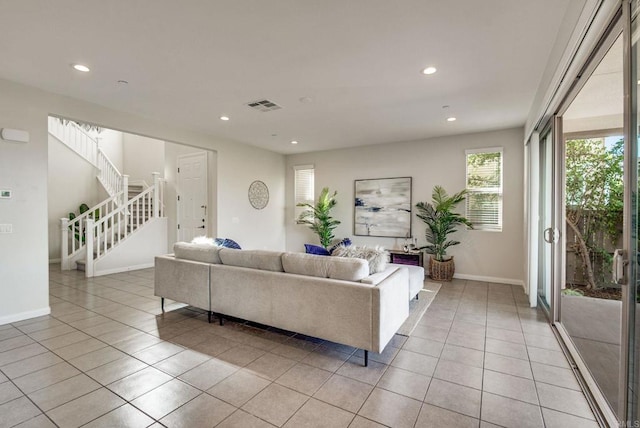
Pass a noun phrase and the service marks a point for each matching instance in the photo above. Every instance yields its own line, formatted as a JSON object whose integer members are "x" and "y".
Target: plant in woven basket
{"x": 441, "y": 221}
{"x": 318, "y": 217}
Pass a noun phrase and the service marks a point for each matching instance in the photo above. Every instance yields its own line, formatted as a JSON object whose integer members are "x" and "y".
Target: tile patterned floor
{"x": 107, "y": 357}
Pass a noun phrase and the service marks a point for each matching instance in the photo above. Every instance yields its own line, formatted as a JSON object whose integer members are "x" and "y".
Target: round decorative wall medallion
{"x": 258, "y": 195}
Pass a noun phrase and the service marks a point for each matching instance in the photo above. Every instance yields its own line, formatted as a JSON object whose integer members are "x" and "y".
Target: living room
{"x": 245, "y": 151}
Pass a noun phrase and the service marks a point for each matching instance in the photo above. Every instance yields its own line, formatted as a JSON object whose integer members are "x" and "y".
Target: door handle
{"x": 200, "y": 227}
{"x": 551, "y": 235}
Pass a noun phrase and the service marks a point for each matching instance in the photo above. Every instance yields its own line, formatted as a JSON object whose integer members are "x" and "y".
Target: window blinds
{"x": 484, "y": 186}
{"x": 303, "y": 184}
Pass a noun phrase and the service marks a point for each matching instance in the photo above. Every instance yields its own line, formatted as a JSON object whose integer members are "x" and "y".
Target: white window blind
{"x": 303, "y": 185}
{"x": 484, "y": 186}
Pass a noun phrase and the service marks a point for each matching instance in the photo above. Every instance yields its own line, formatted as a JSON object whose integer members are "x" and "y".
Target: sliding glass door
{"x": 595, "y": 203}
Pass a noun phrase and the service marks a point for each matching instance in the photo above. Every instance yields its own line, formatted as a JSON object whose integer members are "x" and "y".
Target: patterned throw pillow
{"x": 227, "y": 243}
{"x": 344, "y": 242}
{"x": 316, "y": 249}
{"x": 376, "y": 256}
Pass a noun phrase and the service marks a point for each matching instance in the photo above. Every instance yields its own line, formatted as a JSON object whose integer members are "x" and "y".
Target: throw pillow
{"x": 227, "y": 243}
{"x": 203, "y": 240}
{"x": 344, "y": 242}
{"x": 376, "y": 257}
{"x": 316, "y": 249}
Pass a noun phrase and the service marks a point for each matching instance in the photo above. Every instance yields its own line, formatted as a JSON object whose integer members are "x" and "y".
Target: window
{"x": 303, "y": 188}
{"x": 484, "y": 184}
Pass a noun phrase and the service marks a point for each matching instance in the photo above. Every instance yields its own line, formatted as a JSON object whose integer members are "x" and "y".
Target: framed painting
{"x": 383, "y": 207}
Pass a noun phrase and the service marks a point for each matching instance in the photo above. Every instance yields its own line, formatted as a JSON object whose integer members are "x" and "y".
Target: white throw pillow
{"x": 376, "y": 256}
{"x": 203, "y": 240}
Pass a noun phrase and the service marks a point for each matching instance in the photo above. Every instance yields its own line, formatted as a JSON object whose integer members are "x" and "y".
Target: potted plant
{"x": 441, "y": 220}
{"x": 318, "y": 217}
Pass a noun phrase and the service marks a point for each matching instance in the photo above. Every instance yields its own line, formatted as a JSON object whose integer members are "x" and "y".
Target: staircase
{"x": 121, "y": 233}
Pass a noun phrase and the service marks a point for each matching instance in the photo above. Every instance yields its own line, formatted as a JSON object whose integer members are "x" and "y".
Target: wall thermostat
{"x": 5, "y": 194}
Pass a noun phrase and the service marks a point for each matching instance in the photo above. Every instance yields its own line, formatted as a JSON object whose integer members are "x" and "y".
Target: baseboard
{"x": 490, "y": 279}
{"x": 54, "y": 261}
{"x": 25, "y": 315}
{"x": 123, "y": 269}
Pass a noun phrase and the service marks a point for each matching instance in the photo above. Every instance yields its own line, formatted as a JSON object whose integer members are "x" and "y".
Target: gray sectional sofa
{"x": 331, "y": 298}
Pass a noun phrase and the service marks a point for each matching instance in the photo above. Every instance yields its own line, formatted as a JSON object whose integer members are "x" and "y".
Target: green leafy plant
{"x": 441, "y": 220}
{"x": 572, "y": 292}
{"x": 318, "y": 216}
{"x": 75, "y": 228}
{"x": 594, "y": 199}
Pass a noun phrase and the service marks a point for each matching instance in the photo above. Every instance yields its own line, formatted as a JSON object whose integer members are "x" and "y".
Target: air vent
{"x": 264, "y": 105}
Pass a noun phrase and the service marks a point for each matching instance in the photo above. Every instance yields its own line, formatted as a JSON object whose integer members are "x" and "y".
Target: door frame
{"x": 179, "y": 185}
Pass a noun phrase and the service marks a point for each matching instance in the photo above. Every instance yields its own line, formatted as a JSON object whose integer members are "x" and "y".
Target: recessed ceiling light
{"x": 122, "y": 82}
{"x": 451, "y": 119}
{"x": 294, "y": 142}
{"x": 225, "y": 118}
{"x": 429, "y": 70}
{"x": 81, "y": 67}
{"x": 306, "y": 100}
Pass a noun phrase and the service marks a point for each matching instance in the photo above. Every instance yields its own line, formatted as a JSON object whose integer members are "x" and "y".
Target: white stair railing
{"x": 73, "y": 246}
{"x": 78, "y": 140}
{"x": 75, "y": 138}
{"x": 109, "y": 176}
{"x": 110, "y": 230}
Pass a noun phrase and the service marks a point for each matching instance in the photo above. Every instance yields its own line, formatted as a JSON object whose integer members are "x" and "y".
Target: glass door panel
{"x": 590, "y": 303}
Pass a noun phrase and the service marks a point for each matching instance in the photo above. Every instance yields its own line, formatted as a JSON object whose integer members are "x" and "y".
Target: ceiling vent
{"x": 264, "y": 105}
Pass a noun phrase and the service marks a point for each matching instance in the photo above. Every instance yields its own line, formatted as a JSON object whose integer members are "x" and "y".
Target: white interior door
{"x": 192, "y": 196}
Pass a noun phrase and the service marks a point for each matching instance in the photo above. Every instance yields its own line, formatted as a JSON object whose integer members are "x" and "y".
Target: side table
{"x": 414, "y": 258}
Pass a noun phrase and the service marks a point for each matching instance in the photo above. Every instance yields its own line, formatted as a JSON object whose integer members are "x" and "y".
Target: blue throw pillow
{"x": 316, "y": 249}
{"x": 227, "y": 243}
{"x": 345, "y": 243}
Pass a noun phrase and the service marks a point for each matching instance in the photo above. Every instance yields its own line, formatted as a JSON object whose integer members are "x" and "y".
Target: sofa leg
{"x": 418, "y": 296}
{"x": 209, "y": 316}
{"x": 162, "y": 303}
{"x": 221, "y": 319}
{"x": 366, "y": 358}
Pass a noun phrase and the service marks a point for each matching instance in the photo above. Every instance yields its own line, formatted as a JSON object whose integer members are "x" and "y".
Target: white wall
{"x": 482, "y": 255}
{"x": 23, "y": 168}
{"x": 171, "y": 153}
{"x": 142, "y": 156}
{"x": 71, "y": 182}
{"x": 24, "y": 290}
{"x": 112, "y": 144}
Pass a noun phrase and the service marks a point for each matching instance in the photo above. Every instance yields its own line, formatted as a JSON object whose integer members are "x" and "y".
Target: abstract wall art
{"x": 383, "y": 207}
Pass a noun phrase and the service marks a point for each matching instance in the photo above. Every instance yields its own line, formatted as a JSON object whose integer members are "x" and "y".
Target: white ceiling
{"x": 191, "y": 61}
{"x": 600, "y": 103}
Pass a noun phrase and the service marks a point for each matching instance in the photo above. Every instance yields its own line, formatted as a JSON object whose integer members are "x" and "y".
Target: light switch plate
{"x": 5, "y": 194}
{"x": 6, "y": 228}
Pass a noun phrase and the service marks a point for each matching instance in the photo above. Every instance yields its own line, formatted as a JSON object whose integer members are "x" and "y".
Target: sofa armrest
{"x": 377, "y": 278}
{"x": 390, "y": 307}
{"x": 182, "y": 280}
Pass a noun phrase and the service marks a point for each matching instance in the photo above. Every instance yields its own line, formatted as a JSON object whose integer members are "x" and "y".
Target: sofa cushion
{"x": 254, "y": 259}
{"x": 205, "y": 253}
{"x": 325, "y": 267}
{"x": 316, "y": 249}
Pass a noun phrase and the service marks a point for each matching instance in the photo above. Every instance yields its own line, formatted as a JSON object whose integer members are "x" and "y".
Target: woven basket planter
{"x": 441, "y": 271}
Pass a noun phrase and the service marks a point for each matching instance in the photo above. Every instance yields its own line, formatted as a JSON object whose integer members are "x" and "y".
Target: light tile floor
{"x": 107, "y": 357}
